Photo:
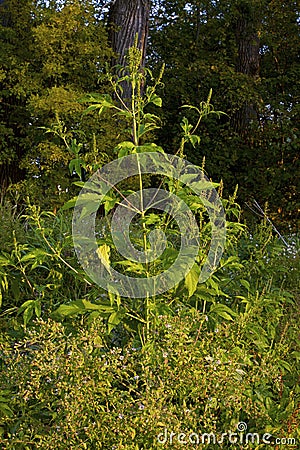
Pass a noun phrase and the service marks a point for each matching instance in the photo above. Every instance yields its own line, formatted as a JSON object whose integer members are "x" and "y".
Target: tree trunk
{"x": 248, "y": 59}
{"x": 128, "y": 19}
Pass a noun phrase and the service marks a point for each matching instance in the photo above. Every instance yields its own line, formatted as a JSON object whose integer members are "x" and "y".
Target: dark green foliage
{"x": 49, "y": 57}
{"x": 50, "y": 54}
{"x": 256, "y": 145}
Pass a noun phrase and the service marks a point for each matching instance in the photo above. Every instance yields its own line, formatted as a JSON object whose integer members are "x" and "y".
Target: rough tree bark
{"x": 248, "y": 59}
{"x": 128, "y": 18}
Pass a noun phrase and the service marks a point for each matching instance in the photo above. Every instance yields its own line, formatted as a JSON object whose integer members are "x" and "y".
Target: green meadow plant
{"x": 138, "y": 314}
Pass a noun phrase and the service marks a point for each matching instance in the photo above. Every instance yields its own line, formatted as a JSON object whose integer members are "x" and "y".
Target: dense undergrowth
{"x": 227, "y": 354}
{"x": 82, "y": 368}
